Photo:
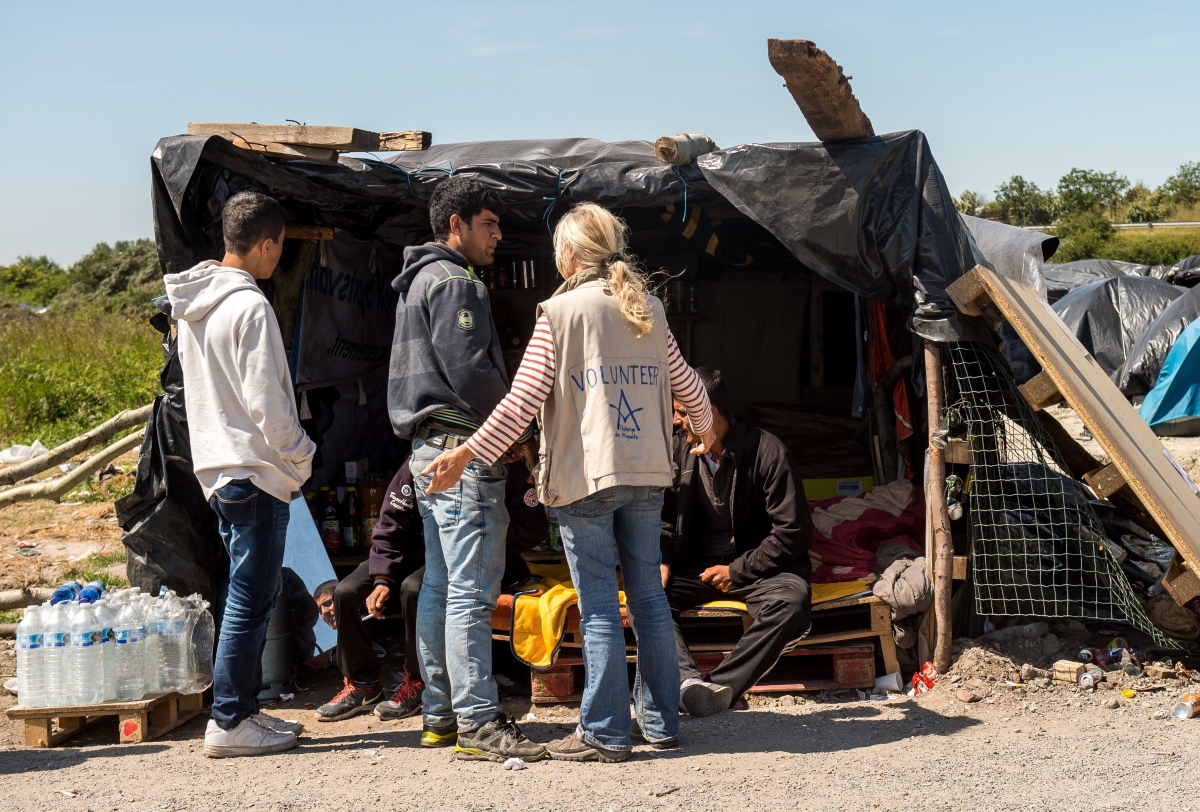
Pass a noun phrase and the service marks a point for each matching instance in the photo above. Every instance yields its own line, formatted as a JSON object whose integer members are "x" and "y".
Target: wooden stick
{"x": 943, "y": 544}
{"x": 55, "y": 489}
{"x": 20, "y": 598}
{"x": 64, "y": 452}
{"x": 683, "y": 148}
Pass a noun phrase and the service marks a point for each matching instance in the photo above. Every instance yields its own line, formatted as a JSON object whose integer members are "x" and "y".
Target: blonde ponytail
{"x": 590, "y": 236}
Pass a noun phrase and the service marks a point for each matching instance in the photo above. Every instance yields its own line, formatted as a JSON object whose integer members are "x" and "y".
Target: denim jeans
{"x": 622, "y": 525}
{"x": 465, "y": 528}
{"x": 253, "y": 527}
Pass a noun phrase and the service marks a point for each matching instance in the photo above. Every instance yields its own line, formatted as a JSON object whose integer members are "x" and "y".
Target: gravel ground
{"x": 1018, "y": 749}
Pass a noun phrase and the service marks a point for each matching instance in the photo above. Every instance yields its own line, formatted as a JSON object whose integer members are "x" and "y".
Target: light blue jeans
{"x": 465, "y": 528}
{"x": 622, "y": 525}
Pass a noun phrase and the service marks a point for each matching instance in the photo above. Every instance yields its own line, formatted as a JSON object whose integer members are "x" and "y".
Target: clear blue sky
{"x": 1000, "y": 88}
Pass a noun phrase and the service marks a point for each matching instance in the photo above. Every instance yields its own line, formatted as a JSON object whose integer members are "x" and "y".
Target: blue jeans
{"x": 253, "y": 528}
{"x": 622, "y": 524}
{"x": 465, "y": 528}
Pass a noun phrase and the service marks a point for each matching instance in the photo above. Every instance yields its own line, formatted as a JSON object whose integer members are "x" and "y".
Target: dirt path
{"x": 1053, "y": 750}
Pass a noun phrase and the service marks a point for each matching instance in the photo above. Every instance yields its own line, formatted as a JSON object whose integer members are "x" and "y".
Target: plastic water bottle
{"x": 155, "y": 624}
{"x": 130, "y": 658}
{"x": 201, "y": 648}
{"x": 87, "y": 658}
{"x": 56, "y": 635}
{"x": 31, "y": 676}
{"x": 108, "y": 645}
{"x": 92, "y": 592}
{"x": 69, "y": 591}
{"x": 174, "y": 646}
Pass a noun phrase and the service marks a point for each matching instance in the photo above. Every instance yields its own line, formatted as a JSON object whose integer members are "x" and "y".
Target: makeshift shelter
{"x": 1172, "y": 407}
{"x": 1144, "y": 360}
{"x": 1110, "y": 315}
{"x": 1064, "y": 278}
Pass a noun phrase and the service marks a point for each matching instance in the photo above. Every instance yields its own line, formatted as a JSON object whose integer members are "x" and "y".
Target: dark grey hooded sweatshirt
{"x": 446, "y": 353}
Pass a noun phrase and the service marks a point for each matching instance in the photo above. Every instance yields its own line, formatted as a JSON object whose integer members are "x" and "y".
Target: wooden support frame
{"x": 1041, "y": 391}
{"x": 935, "y": 495}
{"x": 311, "y": 137}
{"x": 1105, "y": 481}
{"x": 139, "y": 721}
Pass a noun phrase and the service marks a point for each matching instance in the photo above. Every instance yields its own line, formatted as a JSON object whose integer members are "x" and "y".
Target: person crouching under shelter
{"x": 735, "y": 526}
{"x": 389, "y": 583}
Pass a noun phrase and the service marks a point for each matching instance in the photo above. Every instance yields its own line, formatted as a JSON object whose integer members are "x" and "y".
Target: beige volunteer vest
{"x": 607, "y": 421}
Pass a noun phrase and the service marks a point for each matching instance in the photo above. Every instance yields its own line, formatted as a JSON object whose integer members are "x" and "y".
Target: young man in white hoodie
{"x": 248, "y": 450}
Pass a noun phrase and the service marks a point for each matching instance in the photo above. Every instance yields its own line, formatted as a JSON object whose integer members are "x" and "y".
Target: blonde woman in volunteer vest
{"x": 599, "y": 374}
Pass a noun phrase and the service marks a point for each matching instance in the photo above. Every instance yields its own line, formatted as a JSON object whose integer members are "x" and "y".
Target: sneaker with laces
{"x": 701, "y": 698}
{"x": 279, "y": 725}
{"x": 352, "y": 700}
{"x": 498, "y": 740}
{"x": 439, "y": 735}
{"x": 405, "y": 702}
{"x": 572, "y": 748}
{"x": 250, "y": 738}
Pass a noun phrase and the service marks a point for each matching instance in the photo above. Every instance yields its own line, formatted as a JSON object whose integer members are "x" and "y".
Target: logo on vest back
{"x": 627, "y": 424}
{"x": 466, "y": 320}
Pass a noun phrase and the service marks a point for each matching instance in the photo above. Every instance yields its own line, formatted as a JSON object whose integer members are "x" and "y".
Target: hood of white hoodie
{"x": 198, "y": 290}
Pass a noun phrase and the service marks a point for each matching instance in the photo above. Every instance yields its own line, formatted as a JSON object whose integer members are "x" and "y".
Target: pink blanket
{"x": 848, "y": 530}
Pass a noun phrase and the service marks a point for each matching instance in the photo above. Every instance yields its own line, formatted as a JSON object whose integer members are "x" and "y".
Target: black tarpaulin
{"x": 1109, "y": 316}
{"x": 1145, "y": 358}
{"x": 1064, "y": 278}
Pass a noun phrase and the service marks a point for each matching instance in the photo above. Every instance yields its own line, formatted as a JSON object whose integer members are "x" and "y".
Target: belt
{"x": 440, "y": 438}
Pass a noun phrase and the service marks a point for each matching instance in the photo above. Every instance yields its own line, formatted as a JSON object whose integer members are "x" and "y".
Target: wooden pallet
{"x": 143, "y": 720}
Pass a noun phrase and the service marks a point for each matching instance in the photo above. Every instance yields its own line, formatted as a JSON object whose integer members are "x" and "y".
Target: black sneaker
{"x": 350, "y": 701}
{"x": 498, "y": 740}
{"x": 701, "y": 698}
{"x": 405, "y": 702}
{"x": 573, "y": 749}
{"x": 661, "y": 744}
{"x": 439, "y": 735}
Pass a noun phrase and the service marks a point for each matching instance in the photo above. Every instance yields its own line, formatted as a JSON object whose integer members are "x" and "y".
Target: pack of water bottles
{"x": 87, "y": 645}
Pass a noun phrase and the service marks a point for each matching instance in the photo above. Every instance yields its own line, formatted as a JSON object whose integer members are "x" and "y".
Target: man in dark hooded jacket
{"x": 447, "y": 375}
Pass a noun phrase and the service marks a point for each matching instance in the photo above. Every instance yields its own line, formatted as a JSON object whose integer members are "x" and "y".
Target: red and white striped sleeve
{"x": 687, "y": 388}
{"x": 531, "y": 386}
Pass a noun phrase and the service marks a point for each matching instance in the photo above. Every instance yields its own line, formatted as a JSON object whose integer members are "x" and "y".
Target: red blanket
{"x": 848, "y": 553}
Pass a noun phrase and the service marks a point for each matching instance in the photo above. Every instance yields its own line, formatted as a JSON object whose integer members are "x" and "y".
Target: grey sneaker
{"x": 247, "y": 739}
{"x": 405, "y": 702}
{"x": 572, "y": 748}
{"x": 661, "y": 744}
{"x": 350, "y": 701}
{"x": 498, "y": 740}
{"x": 701, "y": 698}
{"x": 279, "y": 725}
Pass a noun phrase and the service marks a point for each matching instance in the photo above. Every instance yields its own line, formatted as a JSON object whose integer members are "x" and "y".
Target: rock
{"x": 1050, "y": 645}
{"x": 1029, "y": 673}
{"x": 787, "y": 699}
{"x": 1159, "y": 714}
{"x": 1030, "y": 631}
{"x": 967, "y": 697}
{"x": 1112, "y": 704}
{"x": 1071, "y": 628}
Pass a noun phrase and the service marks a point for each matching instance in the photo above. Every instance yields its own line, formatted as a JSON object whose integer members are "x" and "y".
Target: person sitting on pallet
{"x": 398, "y": 557}
{"x": 735, "y": 526}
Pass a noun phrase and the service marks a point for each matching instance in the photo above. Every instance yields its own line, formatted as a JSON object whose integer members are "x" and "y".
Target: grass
{"x": 1149, "y": 247}
{"x": 110, "y": 490}
{"x": 60, "y": 375}
{"x": 11, "y": 616}
{"x": 94, "y": 568}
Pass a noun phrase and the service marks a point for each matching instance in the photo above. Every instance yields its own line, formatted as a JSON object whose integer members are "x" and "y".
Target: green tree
{"x": 33, "y": 280}
{"x": 971, "y": 203}
{"x": 1022, "y": 203}
{"x": 1083, "y": 190}
{"x": 1184, "y": 185}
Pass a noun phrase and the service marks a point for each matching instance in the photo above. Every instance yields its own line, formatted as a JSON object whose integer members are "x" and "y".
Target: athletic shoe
{"x": 279, "y": 725}
{"x": 661, "y": 744}
{"x": 405, "y": 702}
{"x": 250, "y": 738}
{"x": 350, "y": 701}
{"x": 703, "y": 698}
{"x": 572, "y": 748}
{"x": 498, "y": 740}
{"x": 439, "y": 735}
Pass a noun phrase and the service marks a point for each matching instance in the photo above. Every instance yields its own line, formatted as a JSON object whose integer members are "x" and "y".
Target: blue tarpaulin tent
{"x": 1172, "y": 408}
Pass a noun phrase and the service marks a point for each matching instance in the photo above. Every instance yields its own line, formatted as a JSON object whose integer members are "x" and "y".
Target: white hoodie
{"x": 241, "y": 409}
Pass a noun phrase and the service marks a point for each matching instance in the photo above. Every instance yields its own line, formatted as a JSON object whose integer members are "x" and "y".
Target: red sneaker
{"x": 405, "y": 702}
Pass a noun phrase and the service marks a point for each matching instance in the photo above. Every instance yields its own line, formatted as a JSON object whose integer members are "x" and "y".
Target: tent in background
{"x": 1143, "y": 361}
{"x": 1172, "y": 408}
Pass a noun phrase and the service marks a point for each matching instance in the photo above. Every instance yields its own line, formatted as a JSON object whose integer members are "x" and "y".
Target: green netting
{"x": 1037, "y": 547}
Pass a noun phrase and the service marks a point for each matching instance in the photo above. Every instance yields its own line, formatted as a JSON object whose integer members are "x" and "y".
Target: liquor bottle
{"x": 351, "y": 510}
{"x": 331, "y": 524}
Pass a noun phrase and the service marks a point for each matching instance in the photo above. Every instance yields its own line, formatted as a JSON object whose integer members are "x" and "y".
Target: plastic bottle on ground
{"x": 130, "y": 658}
{"x": 155, "y": 625}
{"x": 55, "y": 637}
{"x": 31, "y": 676}
{"x": 174, "y": 645}
{"x": 93, "y": 592}
{"x": 108, "y": 645}
{"x": 69, "y": 591}
{"x": 87, "y": 658}
{"x": 201, "y": 648}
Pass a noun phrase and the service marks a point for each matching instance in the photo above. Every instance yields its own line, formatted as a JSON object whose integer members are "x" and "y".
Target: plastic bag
{"x": 201, "y": 635}
{"x": 22, "y": 453}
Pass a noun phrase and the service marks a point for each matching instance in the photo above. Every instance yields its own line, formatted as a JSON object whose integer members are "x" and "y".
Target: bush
{"x": 123, "y": 278}
{"x": 1084, "y": 235}
{"x": 61, "y": 374}
{"x": 33, "y": 281}
{"x": 1022, "y": 203}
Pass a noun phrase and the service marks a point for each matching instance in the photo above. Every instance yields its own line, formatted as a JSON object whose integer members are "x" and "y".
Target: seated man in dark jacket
{"x": 735, "y": 526}
{"x": 398, "y": 558}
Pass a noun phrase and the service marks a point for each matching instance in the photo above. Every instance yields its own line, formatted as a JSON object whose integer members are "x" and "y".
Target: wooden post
{"x": 943, "y": 545}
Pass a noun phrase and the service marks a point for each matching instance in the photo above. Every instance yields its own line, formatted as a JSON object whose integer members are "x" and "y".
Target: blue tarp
{"x": 1172, "y": 408}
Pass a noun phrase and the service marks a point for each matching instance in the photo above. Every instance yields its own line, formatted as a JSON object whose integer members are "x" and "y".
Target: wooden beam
{"x": 935, "y": 493}
{"x": 1181, "y": 582}
{"x": 302, "y": 231}
{"x": 960, "y": 568}
{"x": 337, "y": 139}
{"x": 820, "y": 88}
{"x": 1105, "y": 481}
{"x": 1041, "y": 391}
{"x": 289, "y": 151}
{"x": 683, "y": 148}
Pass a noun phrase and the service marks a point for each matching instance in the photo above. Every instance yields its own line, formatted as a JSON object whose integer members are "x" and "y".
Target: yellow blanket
{"x": 539, "y": 615}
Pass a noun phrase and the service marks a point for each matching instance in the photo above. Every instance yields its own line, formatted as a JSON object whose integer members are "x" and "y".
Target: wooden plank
{"x": 960, "y": 568}
{"x": 1181, "y": 582}
{"x": 290, "y": 152}
{"x": 54, "y": 711}
{"x": 1041, "y": 391}
{"x": 820, "y": 88}
{"x": 1105, "y": 481}
{"x": 407, "y": 141}
{"x": 1068, "y": 670}
{"x": 303, "y": 231}
{"x": 337, "y": 139}
{"x": 881, "y": 624}
{"x": 1134, "y": 449}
